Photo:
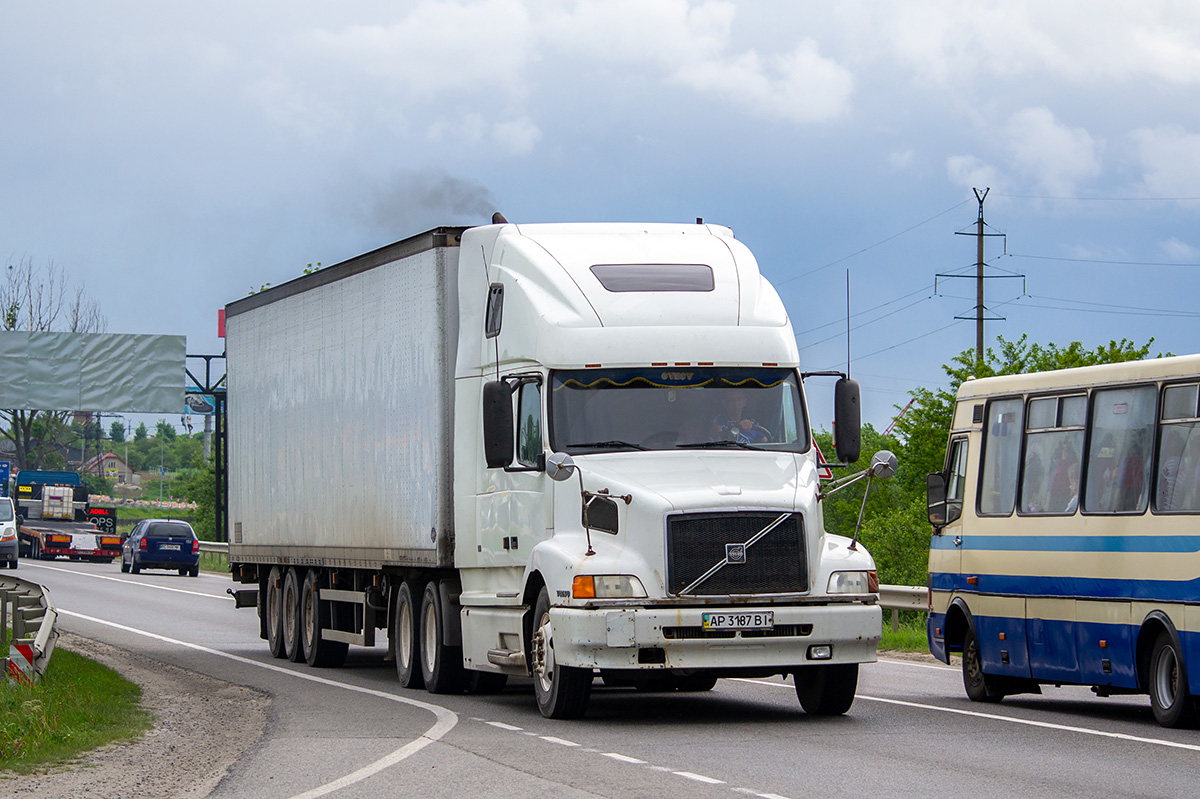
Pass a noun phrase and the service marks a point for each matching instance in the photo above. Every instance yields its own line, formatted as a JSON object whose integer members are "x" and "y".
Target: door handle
{"x": 958, "y": 541}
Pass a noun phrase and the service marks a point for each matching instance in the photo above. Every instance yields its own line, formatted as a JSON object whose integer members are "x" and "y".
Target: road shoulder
{"x": 202, "y": 726}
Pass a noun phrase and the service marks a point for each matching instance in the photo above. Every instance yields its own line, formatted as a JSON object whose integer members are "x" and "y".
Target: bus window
{"x": 1053, "y": 453}
{"x": 1118, "y": 465}
{"x": 1177, "y": 483}
{"x": 1001, "y": 453}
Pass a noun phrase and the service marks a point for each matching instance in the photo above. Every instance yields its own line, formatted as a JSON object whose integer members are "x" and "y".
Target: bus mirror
{"x": 935, "y": 500}
{"x": 883, "y": 464}
{"x": 497, "y": 424}
{"x": 846, "y": 420}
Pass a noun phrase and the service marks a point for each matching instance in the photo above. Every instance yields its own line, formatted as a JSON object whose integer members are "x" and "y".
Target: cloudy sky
{"x": 169, "y": 159}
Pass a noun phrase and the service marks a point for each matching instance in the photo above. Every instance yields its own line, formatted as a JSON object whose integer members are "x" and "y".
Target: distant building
{"x": 108, "y": 465}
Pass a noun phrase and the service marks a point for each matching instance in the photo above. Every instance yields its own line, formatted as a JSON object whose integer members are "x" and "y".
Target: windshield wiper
{"x": 615, "y": 444}
{"x": 719, "y": 444}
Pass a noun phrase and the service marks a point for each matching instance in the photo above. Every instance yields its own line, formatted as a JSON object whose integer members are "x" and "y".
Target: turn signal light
{"x": 584, "y": 587}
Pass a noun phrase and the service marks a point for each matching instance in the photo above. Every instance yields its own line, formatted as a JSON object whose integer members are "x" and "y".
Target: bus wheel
{"x": 562, "y": 692}
{"x": 1169, "y": 697}
{"x": 980, "y": 687}
{"x": 273, "y": 607}
{"x": 826, "y": 690}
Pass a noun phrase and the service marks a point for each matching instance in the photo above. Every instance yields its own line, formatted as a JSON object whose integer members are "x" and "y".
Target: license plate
{"x": 169, "y": 547}
{"x": 758, "y": 620}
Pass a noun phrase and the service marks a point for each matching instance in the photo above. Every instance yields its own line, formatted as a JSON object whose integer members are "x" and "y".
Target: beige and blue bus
{"x": 1066, "y": 534}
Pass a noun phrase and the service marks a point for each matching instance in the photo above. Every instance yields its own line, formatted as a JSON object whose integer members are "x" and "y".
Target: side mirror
{"x": 560, "y": 466}
{"x": 847, "y": 420}
{"x": 497, "y": 424}
{"x": 935, "y": 499}
{"x": 883, "y": 464}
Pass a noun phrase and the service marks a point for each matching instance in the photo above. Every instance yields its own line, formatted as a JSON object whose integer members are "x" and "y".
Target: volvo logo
{"x": 735, "y": 553}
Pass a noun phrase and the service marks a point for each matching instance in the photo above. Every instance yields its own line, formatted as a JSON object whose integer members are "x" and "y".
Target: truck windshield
{"x": 594, "y": 410}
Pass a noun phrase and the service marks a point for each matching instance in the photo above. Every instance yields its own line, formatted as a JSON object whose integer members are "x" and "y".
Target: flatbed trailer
{"x": 47, "y": 540}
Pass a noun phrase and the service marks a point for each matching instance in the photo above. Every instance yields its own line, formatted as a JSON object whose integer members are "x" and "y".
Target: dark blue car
{"x": 161, "y": 544}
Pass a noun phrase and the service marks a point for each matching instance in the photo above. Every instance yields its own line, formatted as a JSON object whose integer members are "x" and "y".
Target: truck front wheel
{"x": 562, "y": 692}
{"x": 826, "y": 690}
{"x": 441, "y": 665}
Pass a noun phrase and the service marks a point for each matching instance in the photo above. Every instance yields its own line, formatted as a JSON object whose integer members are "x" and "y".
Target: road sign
{"x": 4, "y": 467}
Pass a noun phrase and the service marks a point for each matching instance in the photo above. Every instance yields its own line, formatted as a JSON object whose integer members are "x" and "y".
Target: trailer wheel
{"x": 562, "y": 692}
{"x": 273, "y": 607}
{"x": 35, "y": 550}
{"x": 1169, "y": 697}
{"x": 826, "y": 690}
{"x": 405, "y": 631}
{"x": 292, "y": 648}
{"x": 441, "y": 665}
{"x": 314, "y": 617}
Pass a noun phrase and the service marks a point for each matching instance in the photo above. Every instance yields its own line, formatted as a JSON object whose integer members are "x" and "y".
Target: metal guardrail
{"x": 902, "y": 597}
{"x": 28, "y": 623}
{"x": 220, "y": 547}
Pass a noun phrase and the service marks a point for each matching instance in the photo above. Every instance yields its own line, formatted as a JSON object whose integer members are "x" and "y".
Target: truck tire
{"x": 562, "y": 692}
{"x": 314, "y": 617}
{"x": 1170, "y": 699}
{"x": 273, "y": 610}
{"x": 290, "y": 608}
{"x": 441, "y": 665}
{"x": 35, "y": 550}
{"x": 406, "y": 628}
{"x": 826, "y": 690}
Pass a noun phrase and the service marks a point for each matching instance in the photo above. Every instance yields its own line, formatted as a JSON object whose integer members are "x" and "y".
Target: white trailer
{"x": 551, "y": 451}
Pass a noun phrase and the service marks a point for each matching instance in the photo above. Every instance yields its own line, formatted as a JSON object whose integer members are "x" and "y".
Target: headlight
{"x": 8, "y": 534}
{"x": 854, "y": 583}
{"x": 606, "y": 586}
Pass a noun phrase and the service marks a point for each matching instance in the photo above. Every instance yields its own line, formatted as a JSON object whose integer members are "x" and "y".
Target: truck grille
{"x": 775, "y": 564}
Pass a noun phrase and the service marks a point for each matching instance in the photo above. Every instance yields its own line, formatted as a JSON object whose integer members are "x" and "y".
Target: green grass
{"x": 214, "y": 562}
{"x": 910, "y": 637}
{"x": 76, "y": 706}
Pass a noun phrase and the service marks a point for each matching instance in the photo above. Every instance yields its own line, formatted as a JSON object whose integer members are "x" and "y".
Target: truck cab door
{"x": 513, "y": 505}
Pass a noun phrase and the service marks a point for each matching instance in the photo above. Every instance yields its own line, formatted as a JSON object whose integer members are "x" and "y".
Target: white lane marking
{"x": 1121, "y": 736}
{"x": 446, "y": 719}
{"x": 125, "y": 581}
{"x": 558, "y": 741}
{"x": 635, "y": 761}
{"x": 624, "y": 758}
{"x": 698, "y": 777}
{"x": 915, "y": 664}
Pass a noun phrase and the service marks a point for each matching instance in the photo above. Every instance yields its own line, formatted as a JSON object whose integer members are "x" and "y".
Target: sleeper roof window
{"x": 654, "y": 277}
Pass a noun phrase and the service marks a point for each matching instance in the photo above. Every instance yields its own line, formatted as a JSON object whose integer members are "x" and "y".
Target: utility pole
{"x": 980, "y": 306}
{"x": 979, "y": 277}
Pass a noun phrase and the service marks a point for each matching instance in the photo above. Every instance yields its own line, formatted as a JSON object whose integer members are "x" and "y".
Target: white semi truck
{"x": 557, "y": 451}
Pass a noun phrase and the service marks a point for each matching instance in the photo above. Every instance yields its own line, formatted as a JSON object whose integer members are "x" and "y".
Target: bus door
{"x": 945, "y": 553}
{"x": 994, "y": 559}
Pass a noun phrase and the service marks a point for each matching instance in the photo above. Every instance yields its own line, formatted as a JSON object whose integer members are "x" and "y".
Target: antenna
{"x": 847, "y": 323}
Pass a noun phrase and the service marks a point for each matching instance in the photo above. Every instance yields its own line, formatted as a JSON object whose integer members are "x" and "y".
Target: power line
{"x": 873, "y": 246}
{"x": 860, "y": 313}
{"x": 1101, "y": 199}
{"x": 1099, "y": 261}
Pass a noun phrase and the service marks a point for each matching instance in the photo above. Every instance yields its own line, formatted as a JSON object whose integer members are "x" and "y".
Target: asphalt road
{"x": 353, "y": 732}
